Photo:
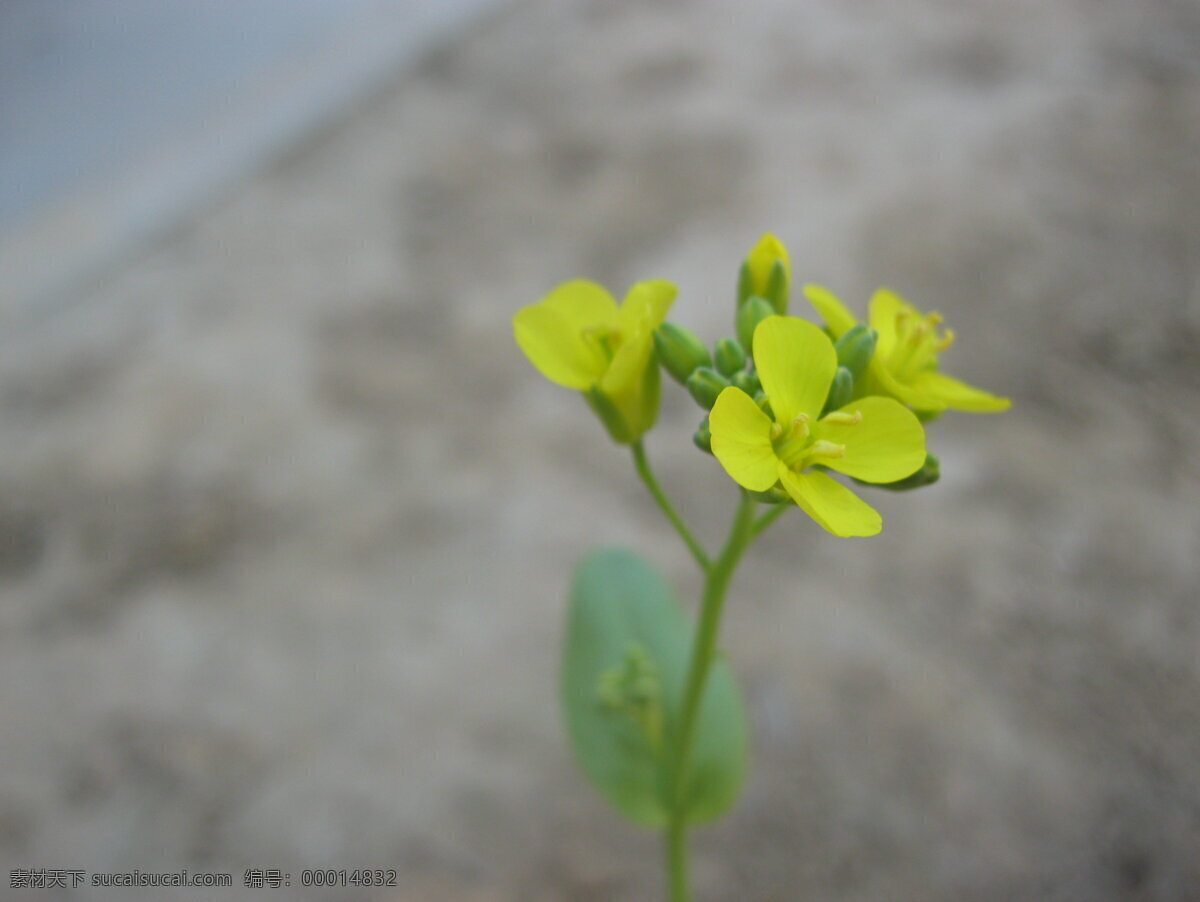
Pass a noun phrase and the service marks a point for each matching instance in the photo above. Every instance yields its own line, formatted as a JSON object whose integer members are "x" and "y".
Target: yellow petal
{"x": 582, "y": 304}
{"x": 762, "y": 258}
{"x": 632, "y": 390}
{"x": 838, "y": 319}
{"x": 741, "y": 440}
{"x": 887, "y": 444}
{"x": 881, "y": 381}
{"x": 646, "y": 306}
{"x": 885, "y": 306}
{"x": 555, "y": 346}
{"x": 958, "y": 395}
{"x": 625, "y": 381}
{"x": 795, "y": 362}
{"x": 831, "y": 504}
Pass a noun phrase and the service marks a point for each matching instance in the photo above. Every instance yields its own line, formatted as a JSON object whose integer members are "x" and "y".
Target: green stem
{"x": 716, "y": 583}
{"x": 643, "y": 468}
{"x": 767, "y": 519}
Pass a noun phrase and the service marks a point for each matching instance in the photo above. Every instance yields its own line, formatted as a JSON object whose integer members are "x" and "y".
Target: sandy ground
{"x": 287, "y": 520}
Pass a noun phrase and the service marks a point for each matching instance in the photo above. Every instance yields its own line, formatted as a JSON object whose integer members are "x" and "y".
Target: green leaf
{"x": 622, "y": 610}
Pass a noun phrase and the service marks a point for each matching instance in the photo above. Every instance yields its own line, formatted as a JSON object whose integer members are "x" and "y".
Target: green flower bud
{"x": 854, "y": 349}
{"x": 703, "y": 437}
{"x": 841, "y": 392}
{"x": 765, "y": 273}
{"x": 745, "y": 286}
{"x": 927, "y": 475}
{"x": 777, "y": 288}
{"x": 747, "y": 380}
{"x": 749, "y": 315}
{"x": 705, "y": 384}
{"x": 680, "y": 351}
{"x": 730, "y": 356}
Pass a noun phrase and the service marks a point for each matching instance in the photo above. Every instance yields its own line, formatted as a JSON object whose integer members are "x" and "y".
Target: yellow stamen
{"x": 945, "y": 341}
{"x": 823, "y": 448}
{"x": 842, "y": 418}
{"x": 789, "y": 443}
{"x": 776, "y": 431}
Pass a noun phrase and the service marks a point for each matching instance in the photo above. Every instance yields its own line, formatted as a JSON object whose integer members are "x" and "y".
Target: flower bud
{"x": 745, "y": 286}
{"x": 747, "y": 380}
{"x": 777, "y": 288}
{"x": 703, "y": 437}
{"x": 749, "y": 315}
{"x": 730, "y": 356}
{"x": 680, "y": 351}
{"x": 705, "y": 384}
{"x": 854, "y": 349}
{"x": 841, "y": 392}
{"x": 765, "y": 274}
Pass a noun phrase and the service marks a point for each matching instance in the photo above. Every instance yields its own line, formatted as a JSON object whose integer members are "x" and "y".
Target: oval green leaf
{"x": 620, "y": 603}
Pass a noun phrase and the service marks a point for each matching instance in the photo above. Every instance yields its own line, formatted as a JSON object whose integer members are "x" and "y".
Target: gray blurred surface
{"x": 119, "y": 119}
{"x": 287, "y": 520}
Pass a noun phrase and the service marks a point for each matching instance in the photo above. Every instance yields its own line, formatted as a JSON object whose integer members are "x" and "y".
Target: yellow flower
{"x": 579, "y": 338}
{"x": 905, "y": 363}
{"x": 872, "y": 439}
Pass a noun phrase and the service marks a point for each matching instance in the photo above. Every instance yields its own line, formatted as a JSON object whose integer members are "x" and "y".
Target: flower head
{"x": 872, "y": 439}
{"x": 905, "y": 364}
{"x": 578, "y": 337}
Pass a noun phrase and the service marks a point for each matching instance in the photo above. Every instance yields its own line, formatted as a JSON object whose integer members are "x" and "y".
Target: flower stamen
{"x": 827, "y": 449}
{"x": 790, "y": 442}
{"x": 842, "y": 418}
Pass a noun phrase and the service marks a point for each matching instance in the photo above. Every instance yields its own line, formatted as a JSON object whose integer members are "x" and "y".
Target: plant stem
{"x": 767, "y": 519}
{"x": 643, "y": 469}
{"x": 716, "y": 582}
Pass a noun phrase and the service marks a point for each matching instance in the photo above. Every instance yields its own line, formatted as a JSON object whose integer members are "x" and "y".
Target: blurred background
{"x": 286, "y": 520}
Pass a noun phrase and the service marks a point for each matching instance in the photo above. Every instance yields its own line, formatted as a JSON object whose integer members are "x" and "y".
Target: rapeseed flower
{"x": 578, "y": 337}
{"x": 872, "y": 439}
{"x": 905, "y": 365}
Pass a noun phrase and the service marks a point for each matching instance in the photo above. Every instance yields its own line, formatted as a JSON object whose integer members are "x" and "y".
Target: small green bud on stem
{"x": 745, "y": 286}
{"x": 777, "y": 288}
{"x": 747, "y": 380}
{"x": 680, "y": 351}
{"x": 855, "y": 348}
{"x": 749, "y": 315}
{"x": 705, "y": 384}
{"x": 730, "y": 356}
{"x": 841, "y": 392}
